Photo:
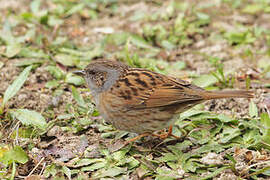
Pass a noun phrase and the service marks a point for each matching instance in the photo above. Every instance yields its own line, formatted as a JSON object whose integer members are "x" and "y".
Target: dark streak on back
{"x": 142, "y": 83}
{"x": 126, "y": 81}
{"x": 148, "y": 74}
{"x": 135, "y": 91}
{"x": 134, "y": 74}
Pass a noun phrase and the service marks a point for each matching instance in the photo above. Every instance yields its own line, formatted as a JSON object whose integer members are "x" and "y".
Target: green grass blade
{"x": 15, "y": 86}
{"x": 253, "y": 110}
{"x": 78, "y": 98}
{"x": 13, "y": 170}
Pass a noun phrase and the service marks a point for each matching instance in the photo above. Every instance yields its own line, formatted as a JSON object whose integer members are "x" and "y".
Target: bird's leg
{"x": 165, "y": 135}
{"x": 137, "y": 137}
{"x": 161, "y": 136}
{"x": 171, "y": 134}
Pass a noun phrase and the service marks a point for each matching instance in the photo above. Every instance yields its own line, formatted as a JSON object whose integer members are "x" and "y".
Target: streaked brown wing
{"x": 145, "y": 89}
{"x": 163, "y": 96}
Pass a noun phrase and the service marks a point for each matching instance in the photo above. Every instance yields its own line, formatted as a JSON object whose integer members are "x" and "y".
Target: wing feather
{"x": 145, "y": 89}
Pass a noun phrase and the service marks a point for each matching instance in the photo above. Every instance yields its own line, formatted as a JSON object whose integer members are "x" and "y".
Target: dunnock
{"x": 141, "y": 101}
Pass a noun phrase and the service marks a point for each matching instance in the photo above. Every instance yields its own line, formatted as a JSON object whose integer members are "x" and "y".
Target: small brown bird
{"x": 141, "y": 101}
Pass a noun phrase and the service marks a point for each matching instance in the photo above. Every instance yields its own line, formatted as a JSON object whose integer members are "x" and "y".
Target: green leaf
{"x": 76, "y": 80}
{"x": 139, "y": 41}
{"x": 78, "y": 98}
{"x": 35, "y": 6}
{"x": 84, "y": 55}
{"x": 16, "y": 154}
{"x": 253, "y": 110}
{"x": 265, "y": 120}
{"x": 179, "y": 65}
{"x": 167, "y": 44}
{"x": 75, "y": 9}
{"x": 224, "y": 118}
{"x": 203, "y": 18}
{"x": 52, "y": 84}
{"x": 117, "y": 38}
{"x": 55, "y": 71}
{"x": 13, "y": 170}
{"x": 167, "y": 174}
{"x": 251, "y": 137}
{"x": 55, "y": 21}
{"x": 6, "y": 33}
{"x": 50, "y": 170}
{"x": 215, "y": 173}
{"x": 253, "y": 8}
{"x": 66, "y": 59}
{"x": 132, "y": 163}
{"x": 86, "y": 161}
{"x": 191, "y": 112}
{"x": 111, "y": 172}
{"x": 228, "y": 134}
{"x": 28, "y": 62}
{"x": 32, "y": 53}
{"x": 15, "y": 86}
{"x": 120, "y": 154}
{"x": 28, "y": 117}
{"x": 216, "y": 147}
{"x": 205, "y": 80}
{"x": 12, "y": 50}
{"x": 94, "y": 167}
{"x": 13, "y": 47}
{"x": 239, "y": 37}
{"x": 19, "y": 155}
{"x": 191, "y": 166}
{"x": 66, "y": 171}
{"x": 166, "y": 157}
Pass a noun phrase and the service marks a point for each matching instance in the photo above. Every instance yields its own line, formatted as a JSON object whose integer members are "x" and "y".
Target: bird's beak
{"x": 80, "y": 72}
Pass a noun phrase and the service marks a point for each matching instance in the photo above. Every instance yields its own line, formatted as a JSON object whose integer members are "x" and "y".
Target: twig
{"x": 268, "y": 111}
{"x": 43, "y": 167}
{"x": 13, "y": 129}
{"x": 264, "y": 162}
{"x": 35, "y": 167}
{"x": 259, "y": 171}
{"x": 17, "y": 134}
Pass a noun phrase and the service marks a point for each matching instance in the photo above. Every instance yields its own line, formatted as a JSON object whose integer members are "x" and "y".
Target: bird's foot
{"x": 165, "y": 135}
{"x": 137, "y": 137}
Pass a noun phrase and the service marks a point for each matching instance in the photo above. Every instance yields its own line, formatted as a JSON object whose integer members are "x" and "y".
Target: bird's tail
{"x": 227, "y": 94}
